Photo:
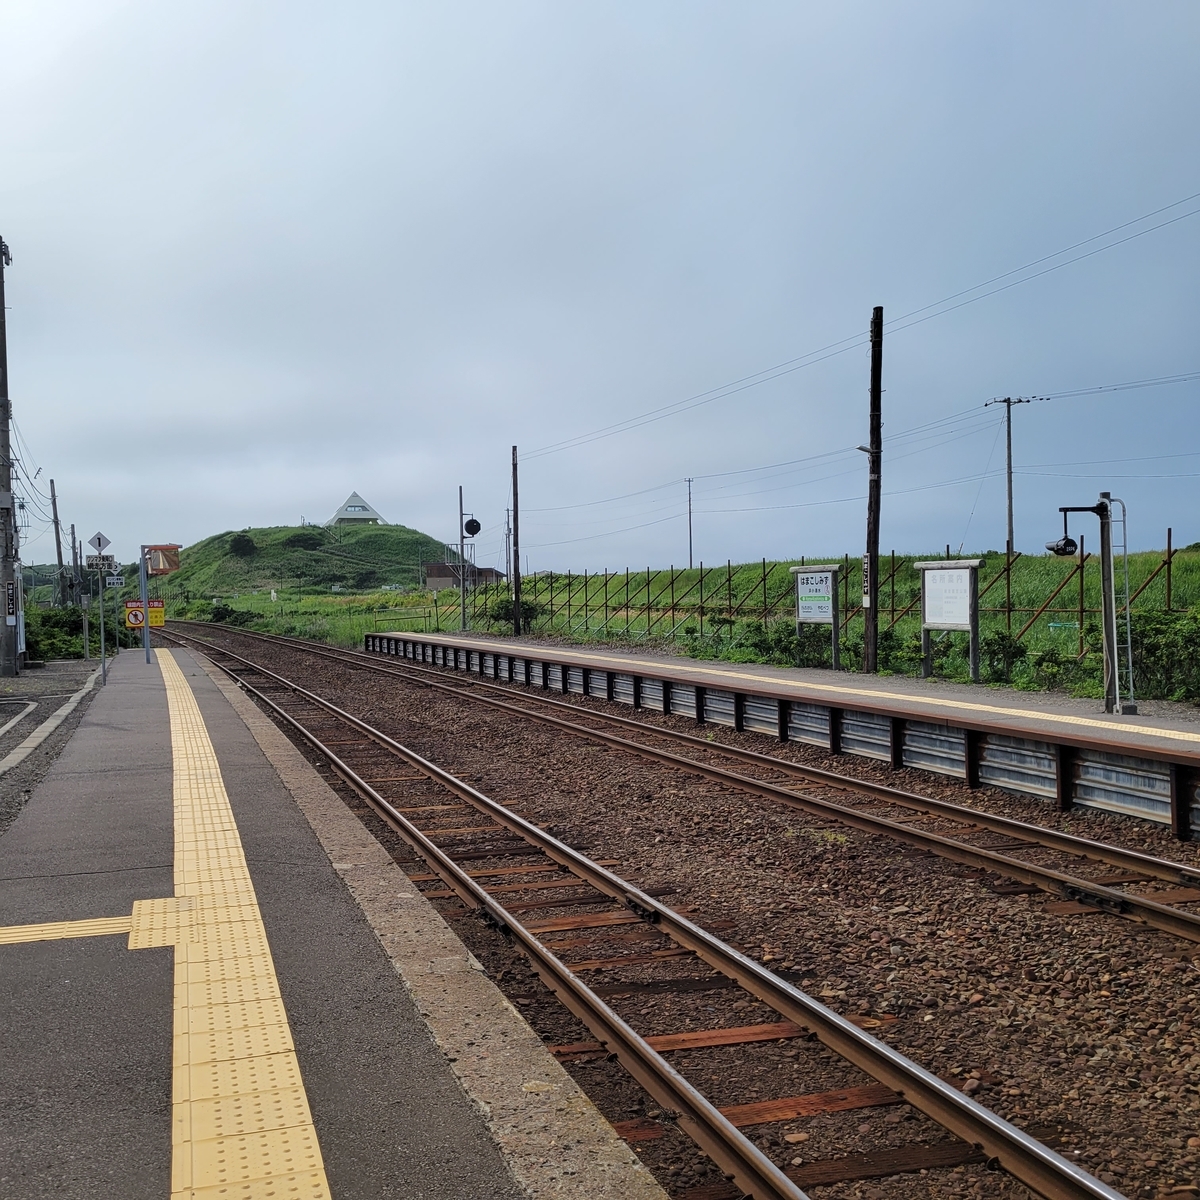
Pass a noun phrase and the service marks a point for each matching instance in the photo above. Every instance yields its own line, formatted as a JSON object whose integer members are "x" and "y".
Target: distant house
{"x": 439, "y": 575}
{"x": 356, "y": 511}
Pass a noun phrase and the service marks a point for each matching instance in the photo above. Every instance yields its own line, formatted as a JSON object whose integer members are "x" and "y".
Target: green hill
{"x": 356, "y": 557}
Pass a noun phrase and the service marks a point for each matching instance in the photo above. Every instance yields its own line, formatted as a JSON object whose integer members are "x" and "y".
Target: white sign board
{"x": 100, "y": 562}
{"x": 114, "y": 581}
{"x": 814, "y": 597}
{"x": 948, "y": 599}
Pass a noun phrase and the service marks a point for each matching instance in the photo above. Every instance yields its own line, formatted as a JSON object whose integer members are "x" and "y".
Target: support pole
{"x": 103, "y": 648}
{"x": 516, "y": 548}
{"x": 144, "y": 588}
{"x": 61, "y": 591}
{"x": 9, "y": 663}
{"x": 462, "y": 566}
{"x": 875, "y": 458}
{"x": 1108, "y": 605}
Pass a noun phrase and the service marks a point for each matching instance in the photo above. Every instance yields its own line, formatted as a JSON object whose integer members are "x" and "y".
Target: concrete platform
{"x": 1172, "y": 730}
{"x": 195, "y": 1004}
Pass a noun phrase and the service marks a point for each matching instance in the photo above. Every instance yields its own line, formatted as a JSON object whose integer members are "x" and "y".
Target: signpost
{"x": 101, "y": 562}
{"x": 154, "y": 560}
{"x": 817, "y": 602}
{"x": 950, "y": 600}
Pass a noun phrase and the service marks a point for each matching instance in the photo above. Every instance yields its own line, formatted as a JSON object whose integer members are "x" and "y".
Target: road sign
{"x": 100, "y": 542}
{"x": 100, "y": 562}
{"x": 114, "y": 581}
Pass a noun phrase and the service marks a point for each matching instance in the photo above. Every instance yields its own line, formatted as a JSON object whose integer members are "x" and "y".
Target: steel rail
{"x": 1053, "y": 839}
{"x": 1059, "y": 883}
{"x": 1028, "y": 1160}
{"x": 713, "y": 1132}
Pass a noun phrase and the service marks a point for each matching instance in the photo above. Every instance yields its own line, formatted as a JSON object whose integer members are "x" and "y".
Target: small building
{"x": 356, "y": 511}
{"x": 439, "y": 575}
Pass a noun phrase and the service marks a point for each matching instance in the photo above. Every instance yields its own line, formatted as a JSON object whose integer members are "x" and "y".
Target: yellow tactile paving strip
{"x": 51, "y": 931}
{"x": 241, "y": 1126}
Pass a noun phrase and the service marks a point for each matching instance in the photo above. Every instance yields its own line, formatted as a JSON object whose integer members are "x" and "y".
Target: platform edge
{"x": 555, "y": 1142}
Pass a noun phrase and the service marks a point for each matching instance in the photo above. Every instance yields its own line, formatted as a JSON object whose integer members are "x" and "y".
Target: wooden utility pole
{"x": 61, "y": 590}
{"x": 516, "y": 550}
{"x": 874, "y": 457}
{"x": 9, "y": 661}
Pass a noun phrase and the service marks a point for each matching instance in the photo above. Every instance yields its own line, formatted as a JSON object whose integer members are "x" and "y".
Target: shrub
{"x": 243, "y": 545}
{"x": 1166, "y": 655}
{"x": 1000, "y": 652}
{"x": 501, "y": 611}
{"x": 232, "y": 616}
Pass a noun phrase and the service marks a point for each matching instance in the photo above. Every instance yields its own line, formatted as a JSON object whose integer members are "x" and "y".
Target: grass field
{"x": 745, "y": 612}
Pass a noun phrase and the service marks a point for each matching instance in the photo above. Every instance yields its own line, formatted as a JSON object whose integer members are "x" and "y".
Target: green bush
{"x": 243, "y": 546}
{"x": 500, "y": 611}
{"x": 58, "y": 633}
{"x": 1166, "y": 655}
{"x": 232, "y": 616}
{"x": 999, "y": 652}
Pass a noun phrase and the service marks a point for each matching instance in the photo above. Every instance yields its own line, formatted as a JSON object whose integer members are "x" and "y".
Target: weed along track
{"x": 944, "y": 935}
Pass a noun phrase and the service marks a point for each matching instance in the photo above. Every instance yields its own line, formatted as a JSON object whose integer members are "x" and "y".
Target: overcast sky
{"x": 265, "y": 254}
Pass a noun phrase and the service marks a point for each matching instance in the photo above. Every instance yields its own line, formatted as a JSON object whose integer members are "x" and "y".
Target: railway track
{"x": 1035, "y": 858}
{"x": 514, "y": 866}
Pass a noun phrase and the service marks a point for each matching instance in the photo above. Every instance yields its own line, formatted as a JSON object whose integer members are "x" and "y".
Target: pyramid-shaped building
{"x": 356, "y": 511}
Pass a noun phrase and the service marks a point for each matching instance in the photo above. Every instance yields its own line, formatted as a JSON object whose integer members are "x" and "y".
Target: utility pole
{"x": 516, "y": 551}
{"x": 689, "y": 483}
{"x": 462, "y": 566}
{"x": 9, "y": 663}
{"x": 62, "y": 586}
{"x": 74, "y": 580}
{"x": 870, "y": 588}
{"x": 1008, "y": 402}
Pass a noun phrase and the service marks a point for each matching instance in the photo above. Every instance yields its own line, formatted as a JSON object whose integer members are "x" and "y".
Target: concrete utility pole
{"x": 875, "y": 459}
{"x": 516, "y": 551}
{"x": 508, "y": 548}
{"x": 9, "y": 662}
{"x": 689, "y": 483}
{"x": 73, "y": 581}
{"x": 1008, "y": 402}
{"x": 61, "y": 590}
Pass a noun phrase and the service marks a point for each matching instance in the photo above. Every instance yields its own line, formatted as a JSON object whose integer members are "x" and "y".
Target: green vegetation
{"x": 58, "y": 633}
{"x": 310, "y": 558}
{"x": 1031, "y": 635}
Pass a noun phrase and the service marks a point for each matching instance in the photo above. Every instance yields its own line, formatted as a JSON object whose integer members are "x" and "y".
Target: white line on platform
{"x": 47, "y": 727}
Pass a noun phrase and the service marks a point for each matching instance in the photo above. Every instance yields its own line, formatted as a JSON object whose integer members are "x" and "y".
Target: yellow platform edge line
{"x": 265, "y": 1145}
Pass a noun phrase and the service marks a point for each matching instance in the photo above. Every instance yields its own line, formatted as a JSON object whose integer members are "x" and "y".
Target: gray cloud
{"x": 265, "y": 254}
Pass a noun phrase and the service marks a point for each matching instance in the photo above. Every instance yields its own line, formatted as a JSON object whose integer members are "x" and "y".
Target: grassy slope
{"x": 358, "y": 558}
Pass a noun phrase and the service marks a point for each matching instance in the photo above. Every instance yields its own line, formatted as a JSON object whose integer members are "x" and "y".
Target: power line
{"x": 897, "y": 325}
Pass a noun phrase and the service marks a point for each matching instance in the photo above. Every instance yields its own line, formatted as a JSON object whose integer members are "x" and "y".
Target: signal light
{"x": 472, "y": 527}
{"x": 1064, "y": 547}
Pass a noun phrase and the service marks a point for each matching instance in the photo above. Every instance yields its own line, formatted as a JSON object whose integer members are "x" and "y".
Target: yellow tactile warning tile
{"x": 51, "y": 931}
{"x": 242, "y": 1129}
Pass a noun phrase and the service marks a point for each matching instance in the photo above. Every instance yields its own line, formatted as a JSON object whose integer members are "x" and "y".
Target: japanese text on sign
{"x": 948, "y": 599}
{"x": 814, "y": 597}
{"x": 135, "y": 618}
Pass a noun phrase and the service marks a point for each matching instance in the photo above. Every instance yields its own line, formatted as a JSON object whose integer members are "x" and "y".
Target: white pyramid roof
{"x": 355, "y": 511}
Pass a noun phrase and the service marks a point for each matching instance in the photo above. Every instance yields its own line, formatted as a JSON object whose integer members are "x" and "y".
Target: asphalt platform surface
{"x": 86, "y": 1024}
